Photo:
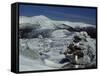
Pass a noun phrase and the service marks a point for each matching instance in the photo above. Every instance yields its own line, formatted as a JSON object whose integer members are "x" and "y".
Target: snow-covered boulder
{"x": 84, "y": 47}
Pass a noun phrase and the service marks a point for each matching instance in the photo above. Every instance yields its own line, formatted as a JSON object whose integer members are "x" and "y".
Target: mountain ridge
{"x": 42, "y": 25}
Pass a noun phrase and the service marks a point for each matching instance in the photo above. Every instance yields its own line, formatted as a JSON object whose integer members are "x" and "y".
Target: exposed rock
{"x": 81, "y": 47}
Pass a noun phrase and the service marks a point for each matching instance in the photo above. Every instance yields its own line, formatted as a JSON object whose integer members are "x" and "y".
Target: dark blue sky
{"x": 87, "y": 15}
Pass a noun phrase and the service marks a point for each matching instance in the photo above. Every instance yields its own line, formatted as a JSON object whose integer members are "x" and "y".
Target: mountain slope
{"x": 42, "y": 25}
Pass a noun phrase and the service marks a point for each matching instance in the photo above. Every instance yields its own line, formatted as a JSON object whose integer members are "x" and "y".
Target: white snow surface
{"x": 31, "y": 60}
{"x": 60, "y": 33}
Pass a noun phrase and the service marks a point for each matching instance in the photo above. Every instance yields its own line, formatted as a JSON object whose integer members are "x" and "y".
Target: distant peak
{"x": 41, "y": 17}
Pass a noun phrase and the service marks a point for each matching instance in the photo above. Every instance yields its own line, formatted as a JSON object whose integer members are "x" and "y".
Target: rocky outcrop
{"x": 84, "y": 48}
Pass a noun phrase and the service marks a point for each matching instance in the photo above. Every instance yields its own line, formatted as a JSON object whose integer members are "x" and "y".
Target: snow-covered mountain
{"x": 43, "y": 42}
{"x": 43, "y": 20}
{"x": 42, "y": 25}
{"x": 33, "y": 19}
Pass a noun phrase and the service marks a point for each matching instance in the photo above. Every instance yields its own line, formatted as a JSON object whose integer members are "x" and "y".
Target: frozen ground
{"x": 30, "y": 49}
{"x": 45, "y": 54}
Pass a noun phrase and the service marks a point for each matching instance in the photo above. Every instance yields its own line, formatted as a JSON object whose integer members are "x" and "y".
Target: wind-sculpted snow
{"x": 47, "y": 53}
{"x": 42, "y": 50}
